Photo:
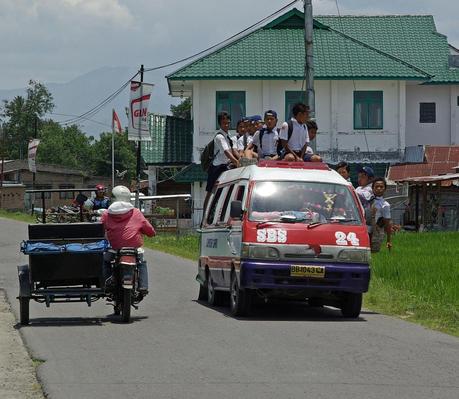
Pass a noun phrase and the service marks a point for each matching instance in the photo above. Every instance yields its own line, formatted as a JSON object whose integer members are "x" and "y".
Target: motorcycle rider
{"x": 124, "y": 226}
{"x": 100, "y": 201}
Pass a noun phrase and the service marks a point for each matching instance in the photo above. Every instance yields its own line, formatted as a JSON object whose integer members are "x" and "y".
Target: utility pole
{"x": 2, "y": 149}
{"x": 35, "y": 131}
{"x": 139, "y": 146}
{"x": 309, "y": 60}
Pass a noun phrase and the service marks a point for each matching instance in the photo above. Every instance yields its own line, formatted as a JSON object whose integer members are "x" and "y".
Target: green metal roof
{"x": 190, "y": 174}
{"x": 171, "y": 141}
{"x": 348, "y": 47}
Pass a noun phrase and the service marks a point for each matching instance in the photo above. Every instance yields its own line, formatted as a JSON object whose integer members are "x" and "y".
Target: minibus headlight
{"x": 360, "y": 255}
{"x": 259, "y": 252}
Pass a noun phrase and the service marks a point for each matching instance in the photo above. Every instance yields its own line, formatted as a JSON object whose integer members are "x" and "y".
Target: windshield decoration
{"x": 329, "y": 201}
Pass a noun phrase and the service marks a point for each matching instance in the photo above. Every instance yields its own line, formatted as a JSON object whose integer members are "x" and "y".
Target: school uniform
{"x": 298, "y": 138}
{"x": 222, "y": 142}
{"x": 268, "y": 145}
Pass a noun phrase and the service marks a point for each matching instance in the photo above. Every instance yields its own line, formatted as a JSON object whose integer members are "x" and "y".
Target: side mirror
{"x": 236, "y": 210}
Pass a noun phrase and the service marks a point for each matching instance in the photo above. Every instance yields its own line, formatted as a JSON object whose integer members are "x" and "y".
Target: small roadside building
{"x": 382, "y": 83}
{"x": 432, "y": 176}
{"x": 49, "y": 177}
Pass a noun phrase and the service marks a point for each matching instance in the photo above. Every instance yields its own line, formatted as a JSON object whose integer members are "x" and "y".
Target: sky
{"x": 59, "y": 40}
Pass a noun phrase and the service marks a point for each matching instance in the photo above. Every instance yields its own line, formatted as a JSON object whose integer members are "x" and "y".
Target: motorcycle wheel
{"x": 126, "y": 306}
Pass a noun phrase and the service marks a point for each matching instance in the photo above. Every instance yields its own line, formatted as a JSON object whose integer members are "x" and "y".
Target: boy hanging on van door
{"x": 294, "y": 134}
{"x": 225, "y": 154}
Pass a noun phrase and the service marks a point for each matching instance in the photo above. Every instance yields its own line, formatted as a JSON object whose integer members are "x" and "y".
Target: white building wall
{"x": 438, "y": 133}
{"x": 454, "y": 101}
{"x": 334, "y": 111}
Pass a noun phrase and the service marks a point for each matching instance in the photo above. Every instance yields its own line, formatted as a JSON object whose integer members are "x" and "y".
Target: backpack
{"x": 208, "y": 155}
{"x": 289, "y": 135}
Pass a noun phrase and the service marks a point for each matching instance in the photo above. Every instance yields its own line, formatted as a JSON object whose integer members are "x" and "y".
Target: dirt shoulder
{"x": 17, "y": 371}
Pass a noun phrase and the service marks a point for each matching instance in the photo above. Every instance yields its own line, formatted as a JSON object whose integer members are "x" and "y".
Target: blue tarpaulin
{"x": 31, "y": 247}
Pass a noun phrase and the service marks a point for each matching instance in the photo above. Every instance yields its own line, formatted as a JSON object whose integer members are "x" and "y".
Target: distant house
{"x": 49, "y": 177}
{"x": 382, "y": 83}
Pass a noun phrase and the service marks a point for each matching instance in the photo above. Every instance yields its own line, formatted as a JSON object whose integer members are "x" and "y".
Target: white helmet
{"x": 121, "y": 193}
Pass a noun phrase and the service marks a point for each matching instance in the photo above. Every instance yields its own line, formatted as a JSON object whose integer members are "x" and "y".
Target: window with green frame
{"x": 232, "y": 102}
{"x": 292, "y": 98}
{"x": 368, "y": 109}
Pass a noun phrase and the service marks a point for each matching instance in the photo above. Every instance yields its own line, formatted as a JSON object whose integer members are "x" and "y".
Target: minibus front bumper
{"x": 346, "y": 277}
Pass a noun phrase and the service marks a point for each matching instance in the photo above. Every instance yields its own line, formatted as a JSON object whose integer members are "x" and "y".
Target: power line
{"x": 223, "y": 41}
{"x": 91, "y": 120}
{"x": 99, "y": 106}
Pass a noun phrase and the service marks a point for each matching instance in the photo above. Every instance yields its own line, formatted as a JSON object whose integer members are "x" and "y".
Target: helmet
{"x": 121, "y": 193}
{"x": 100, "y": 187}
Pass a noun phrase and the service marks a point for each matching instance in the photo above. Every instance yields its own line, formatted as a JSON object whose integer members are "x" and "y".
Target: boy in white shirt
{"x": 294, "y": 134}
{"x": 266, "y": 139}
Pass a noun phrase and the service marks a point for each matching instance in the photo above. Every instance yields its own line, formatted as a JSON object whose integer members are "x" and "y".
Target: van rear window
{"x": 307, "y": 202}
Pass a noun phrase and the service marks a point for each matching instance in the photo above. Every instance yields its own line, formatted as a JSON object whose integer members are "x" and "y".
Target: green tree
{"x": 23, "y": 115}
{"x": 182, "y": 110}
{"x": 65, "y": 146}
{"x": 125, "y": 155}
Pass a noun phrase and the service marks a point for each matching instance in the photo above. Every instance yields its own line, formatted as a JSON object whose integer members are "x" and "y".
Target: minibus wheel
{"x": 351, "y": 305}
{"x": 214, "y": 297}
{"x": 240, "y": 300}
{"x": 202, "y": 296}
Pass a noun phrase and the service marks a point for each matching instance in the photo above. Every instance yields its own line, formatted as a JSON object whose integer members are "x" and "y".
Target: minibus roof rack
{"x": 293, "y": 165}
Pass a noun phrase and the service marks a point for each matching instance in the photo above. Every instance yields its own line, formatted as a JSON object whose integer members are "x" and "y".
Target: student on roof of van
{"x": 245, "y": 140}
{"x": 294, "y": 134}
{"x": 265, "y": 140}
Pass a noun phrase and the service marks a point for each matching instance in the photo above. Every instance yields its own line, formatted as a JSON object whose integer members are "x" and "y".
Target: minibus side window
{"x": 225, "y": 204}
{"x": 240, "y": 194}
{"x": 213, "y": 206}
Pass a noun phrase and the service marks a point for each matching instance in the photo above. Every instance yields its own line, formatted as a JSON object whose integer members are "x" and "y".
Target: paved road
{"x": 180, "y": 348}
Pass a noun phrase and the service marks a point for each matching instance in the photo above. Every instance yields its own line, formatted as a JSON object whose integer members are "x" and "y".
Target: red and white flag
{"x": 138, "y": 128}
{"x": 32, "y": 154}
{"x": 116, "y": 124}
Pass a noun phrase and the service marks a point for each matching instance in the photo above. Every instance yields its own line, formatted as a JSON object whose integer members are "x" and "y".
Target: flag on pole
{"x": 32, "y": 152}
{"x": 116, "y": 124}
{"x": 140, "y": 94}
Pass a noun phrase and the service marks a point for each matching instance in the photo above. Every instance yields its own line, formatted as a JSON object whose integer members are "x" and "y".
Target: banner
{"x": 116, "y": 123}
{"x": 33, "y": 145}
{"x": 138, "y": 111}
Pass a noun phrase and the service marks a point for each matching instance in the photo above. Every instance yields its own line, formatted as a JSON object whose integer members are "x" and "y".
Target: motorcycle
{"x": 123, "y": 289}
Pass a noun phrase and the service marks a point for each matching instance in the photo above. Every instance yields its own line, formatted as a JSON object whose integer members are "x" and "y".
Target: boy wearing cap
{"x": 296, "y": 141}
{"x": 265, "y": 140}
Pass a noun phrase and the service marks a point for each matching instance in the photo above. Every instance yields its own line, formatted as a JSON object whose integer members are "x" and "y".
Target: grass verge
{"x": 20, "y": 216}
{"x": 417, "y": 281}
{"x": 186, "y": 246}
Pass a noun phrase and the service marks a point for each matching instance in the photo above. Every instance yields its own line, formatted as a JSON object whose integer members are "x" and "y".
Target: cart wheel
{"x": 126, "y": 306}
{"x": 24, "y": 310}
{"x": 117, "y": 309}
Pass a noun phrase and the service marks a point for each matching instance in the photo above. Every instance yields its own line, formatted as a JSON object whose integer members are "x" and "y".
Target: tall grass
{"x": 16, "y": 215}
{"x": 419, "y": 280}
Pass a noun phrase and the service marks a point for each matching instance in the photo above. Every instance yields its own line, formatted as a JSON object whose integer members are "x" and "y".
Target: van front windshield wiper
{"x": 341, "y": 220}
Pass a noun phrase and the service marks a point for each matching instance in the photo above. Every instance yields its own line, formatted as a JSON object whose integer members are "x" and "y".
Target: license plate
{"x": 307, "y": 271}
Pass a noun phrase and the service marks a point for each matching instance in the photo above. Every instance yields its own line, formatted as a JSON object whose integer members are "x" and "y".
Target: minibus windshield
{"x": 302, "y": 202}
